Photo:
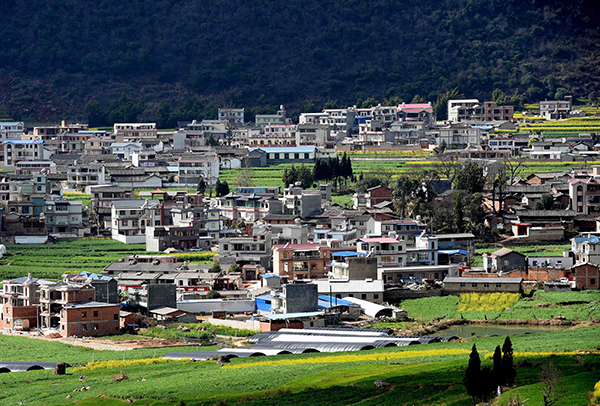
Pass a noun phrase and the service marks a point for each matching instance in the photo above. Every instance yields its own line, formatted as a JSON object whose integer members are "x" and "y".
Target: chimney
{"x": 63, "y": 123}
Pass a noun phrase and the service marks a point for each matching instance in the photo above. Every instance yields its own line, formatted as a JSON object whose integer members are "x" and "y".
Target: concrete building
{"x": 53, "y": 298}
{"x": 353, "y": 266}
{"x": 135, "y": 130}
{"x": 296, "y": 298}
{"x": 586, "y": 249}
{"x": 231, "y": 115}
{"x": 492, "y": 112}
{"x": 16, "y": 151}
{"x": 66, "y": 218}
{"x": 586, "y": 276}
{"x": 458, "y": 285}
{"x": 301, "y": 261}
{"x": 263, "y": 120}
{"x": 460, "y": 136}
{"x": 247, "y": 207}
{"x": 85, "y": 175}
{"x": 129, "y": 219}
{"x": 372, "y": 197}
{"x": 192, "y": 167}
{"x": 555, "y": 109}
{"x": 369, "y": 289}
{"x": 504, "y": 260}
{"x": 465, "y": 110}
{"x": 416, "y": 112}
{"x": 389, "y": 252}
{"x": 300, "y": 202}
{"x": 89, "y": 319}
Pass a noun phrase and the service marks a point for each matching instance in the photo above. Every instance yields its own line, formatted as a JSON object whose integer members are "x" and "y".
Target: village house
{"x": 129, "y": 219}
{"x": 389, "y": 252}
{"x": 504, "y": 260}
{"x": 458, "y": 285}
{"x": 89, "y": 319}
{"x": 586, "y": 276}
{"x": 372, "y": 197}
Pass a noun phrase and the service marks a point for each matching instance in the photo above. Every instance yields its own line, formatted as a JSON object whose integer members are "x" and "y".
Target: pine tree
{"x": 508, "y": 370}
{"x": 497, "y": 372}
{"x": 472, "y": 379}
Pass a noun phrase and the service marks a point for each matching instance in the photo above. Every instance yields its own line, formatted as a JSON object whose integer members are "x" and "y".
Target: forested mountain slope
{"x": 57, "y": 55}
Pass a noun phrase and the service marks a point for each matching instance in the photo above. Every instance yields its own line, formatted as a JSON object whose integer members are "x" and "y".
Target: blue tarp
{"x": 347, "y": 254}
{"x": 453, "y": 252}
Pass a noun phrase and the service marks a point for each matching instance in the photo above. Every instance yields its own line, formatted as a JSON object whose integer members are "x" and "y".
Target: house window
{"x": 498, "y": 285}
{"x": 376, "y": 296}
{"x": 463, "y": 285}
{"x": 363, "y": 296}
{"x": 83, "y": 314}
{"x": 486, "y": 285}
{"x": 592, "y": 281}
{"x": 83, "y": 327}
{"x": 96, "y": 327}
{"x": 95, "y": 313}
{"x": 473, "y": 285}
{"x": 124, "y": 222}
{"x": 115, "y": 316}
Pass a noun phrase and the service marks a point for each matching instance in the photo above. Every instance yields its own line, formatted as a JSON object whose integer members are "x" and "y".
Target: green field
{"x": 420, "y": 375}
{"x": 87, "y": 254}
{"x": 572, "y": 305}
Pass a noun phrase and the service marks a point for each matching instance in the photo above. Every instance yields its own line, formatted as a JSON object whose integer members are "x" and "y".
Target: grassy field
{"x": 421, "y": 375}
{"x": 89, "y": 254}
{"x": 572, "y": 305}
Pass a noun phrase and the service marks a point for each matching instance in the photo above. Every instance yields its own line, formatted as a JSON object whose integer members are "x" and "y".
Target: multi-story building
{"x": 48, "y": 132}
{"x": 416, "y": 112}
{"x": 585, "y": 194}
{"x": 130, "y": 218}
{"x": 586, "y": 249}
{"x": 501, "y": 143}
{"x": 492, "y": 112}
{"x": 23, "y": 291}
{"x": 234, "y": 116}
{"x": 66, "y": 217}
{"x": 254, "y": 249}
{"x": 98, "y": 146}
{"x": 340, "y": 121}
{"x": 555, "y": 109}
{"x": 54, "y": 297}
{"x": 459, "y": 136}
{"x": 301, "y": 261}
{"x": 124, "y": 150}
{"x": 101, "y": 201}
{"x": 16, "y": 151}
{"x": 465, "y": 110}
{"x": 144, "y": 159}
{"x": 274, "y": 135}
{"x": 389, "y": 251}
{"x": 312, "y": 134}
{"x": 311, "y": 118}
{"x": 35, "y": 167}
{"x": 135, "y": 130}
{"x": 406, "y": 229}
{"x": 80, "y": 175}
{"x": 280, "y": 118}
{"x": 89, "y": 319}
{"x": 247, "y": 207}
{"x": 373, "y": 196}
{"x": 193, "y": 167}
{"x": 300, "y": 202}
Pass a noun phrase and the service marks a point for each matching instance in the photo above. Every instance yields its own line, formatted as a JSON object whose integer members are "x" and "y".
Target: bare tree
{"x": 515, "y": 400}
{"x": 244, "y": 179}
{"x": 448, "y": 164}
{"x": 550, "y": 377}
{"x": 514, "y": 166}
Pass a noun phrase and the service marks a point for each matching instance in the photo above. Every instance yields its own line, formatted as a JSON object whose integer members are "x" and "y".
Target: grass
{"x": 581, "y": 306}
{"x": 422, "y": 375}
{"x": 199, "y": 331}
{"x": 88, "y": 254}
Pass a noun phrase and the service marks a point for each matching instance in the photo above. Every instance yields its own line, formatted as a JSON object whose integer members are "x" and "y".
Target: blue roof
{"x": 264, "y": 297}
{"x": 453, "y": 252}
{"x": 270, "y": 275}
{"x": 346, "y": 254}
{"x": 334, "y": 300}
{"x": 270, "y": 150}
{"x": 592, "y": 239}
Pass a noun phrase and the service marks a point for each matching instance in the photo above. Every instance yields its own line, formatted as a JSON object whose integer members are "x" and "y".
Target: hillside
{"x": 58, "y": 55}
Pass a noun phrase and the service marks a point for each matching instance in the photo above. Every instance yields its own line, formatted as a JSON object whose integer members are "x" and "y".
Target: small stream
{"x": 471, "y": 330}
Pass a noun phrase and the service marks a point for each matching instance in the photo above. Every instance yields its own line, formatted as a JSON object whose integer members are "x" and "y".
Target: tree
{"x": 458, "y": 212}
{"x": 440, "y": 108}
{"x": 550, "y": 377}
{"x": 404, "y": 191}
{"x": 469, "y": 178}
{"x": 201, "y": 185}
{"x": 472, "y": 379}
{"x": 234, "y": 268}
{"x": 508, "y": 370}
{"x": 513, "y": 166}
{"x": 221, "y": 188}
{"x": 213, "y": 294}
{"x": 545, "y": 203}
{"x": 497, "y": 371}
{"x": 304, "y": 176}
{"x": 216, "y": 268}
{"x": 448, "y": 165}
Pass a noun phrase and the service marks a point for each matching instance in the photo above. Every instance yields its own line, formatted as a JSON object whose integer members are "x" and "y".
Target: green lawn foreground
{"x": 426, "y": 380}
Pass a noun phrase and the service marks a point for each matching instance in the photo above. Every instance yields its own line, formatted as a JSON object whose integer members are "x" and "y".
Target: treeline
{"x": 59, "y": 56}
{"x": 331, "y": 169}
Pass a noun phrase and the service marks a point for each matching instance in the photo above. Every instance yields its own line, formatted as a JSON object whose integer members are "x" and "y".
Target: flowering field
{"x": 486, "y": 301}
{"x": 110, "y": 364}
